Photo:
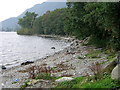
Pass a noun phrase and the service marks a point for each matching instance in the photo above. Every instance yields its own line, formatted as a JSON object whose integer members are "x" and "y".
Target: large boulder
{"x": 64, "y": 79}
{"x": 116, "y": 73}
{"x": 110, "y": 66}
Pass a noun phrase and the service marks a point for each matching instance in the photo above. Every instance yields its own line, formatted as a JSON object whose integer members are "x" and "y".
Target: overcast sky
{"x": 13, "y": 8}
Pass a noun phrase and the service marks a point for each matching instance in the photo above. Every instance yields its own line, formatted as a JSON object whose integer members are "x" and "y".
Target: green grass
{"x": 79, "y": 57}
{"x": 83, "y": 82}
{"x": 111, "y": 57}
{"x": 103, "y": 83}
{"x": 69, "y": 84}
{"x": 46, "y": 76}
{"x": 24, "y": 85}
{"x": 94, "y": 54}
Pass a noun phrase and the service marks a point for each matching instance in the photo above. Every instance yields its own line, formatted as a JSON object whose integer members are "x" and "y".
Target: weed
{"x": 34, "y": 70}
{"x": 96, "y": 68}
{"x": 45, "y": 76}
{"x": 24, "y": 85}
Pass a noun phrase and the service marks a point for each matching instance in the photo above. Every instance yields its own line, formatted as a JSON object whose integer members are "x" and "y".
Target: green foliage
{"x": 97, "y": 20}
{"x": 28, "y": 20}
{"x": 52, "y": 22}
{"x": 25, "y": 31}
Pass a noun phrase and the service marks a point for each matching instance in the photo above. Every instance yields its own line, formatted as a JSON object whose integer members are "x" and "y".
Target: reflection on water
{"x": 15, "y": 49}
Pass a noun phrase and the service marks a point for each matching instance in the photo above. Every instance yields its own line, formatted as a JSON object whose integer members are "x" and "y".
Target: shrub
{"x": 25, "y": 31}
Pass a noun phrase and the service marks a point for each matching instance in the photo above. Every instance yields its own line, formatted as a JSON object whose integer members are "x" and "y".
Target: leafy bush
{"x": 25, "y": 31}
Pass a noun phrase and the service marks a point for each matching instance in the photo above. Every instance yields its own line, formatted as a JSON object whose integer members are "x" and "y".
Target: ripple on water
{"x": 20, "y": 48}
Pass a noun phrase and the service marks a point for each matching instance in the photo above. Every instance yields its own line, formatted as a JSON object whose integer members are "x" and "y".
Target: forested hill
{"x": 40, "y": 9}
{"x": 99, "y": 21}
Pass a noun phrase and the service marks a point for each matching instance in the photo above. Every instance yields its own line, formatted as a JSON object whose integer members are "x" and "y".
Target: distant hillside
{"x": 40, "y": 9}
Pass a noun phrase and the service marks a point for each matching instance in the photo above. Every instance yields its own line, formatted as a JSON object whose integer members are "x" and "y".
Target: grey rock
{"x": 111, "y": 66}
{"x": 64, "y": 79}
{"x": 116, "y": 73}
{"x": 52, "y": 47}
{"x": 3, "y": 67}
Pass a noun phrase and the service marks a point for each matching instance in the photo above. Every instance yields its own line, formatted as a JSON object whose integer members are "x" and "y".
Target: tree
{"x": 28, "y": 20}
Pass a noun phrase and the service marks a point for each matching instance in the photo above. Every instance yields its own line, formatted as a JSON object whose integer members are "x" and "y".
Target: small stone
{"x": 32, "y": 82}
{"x": 52, "y": 47}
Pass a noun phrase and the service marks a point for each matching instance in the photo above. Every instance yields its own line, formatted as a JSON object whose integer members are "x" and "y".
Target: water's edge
{"x": 65, "y": 39}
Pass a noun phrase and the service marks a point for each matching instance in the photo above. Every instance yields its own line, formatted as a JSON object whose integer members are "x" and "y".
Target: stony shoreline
{"x": 8, "y": 73}
{"x": 66, "y": 59}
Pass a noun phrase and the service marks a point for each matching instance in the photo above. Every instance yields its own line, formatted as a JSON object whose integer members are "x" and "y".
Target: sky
{"x": 13, "y": 8}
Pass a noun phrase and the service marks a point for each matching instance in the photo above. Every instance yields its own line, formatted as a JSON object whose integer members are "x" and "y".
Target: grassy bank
{"x": 83, "y": 82}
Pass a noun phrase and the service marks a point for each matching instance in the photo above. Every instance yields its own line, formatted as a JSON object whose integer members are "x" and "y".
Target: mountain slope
{"x": 40, "y": 9}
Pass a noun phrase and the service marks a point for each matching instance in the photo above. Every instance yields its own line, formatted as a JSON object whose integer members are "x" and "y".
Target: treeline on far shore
{"x": 97, "y": 20}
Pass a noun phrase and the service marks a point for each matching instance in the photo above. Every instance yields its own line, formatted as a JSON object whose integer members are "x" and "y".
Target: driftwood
{"x": 27, "y": 62}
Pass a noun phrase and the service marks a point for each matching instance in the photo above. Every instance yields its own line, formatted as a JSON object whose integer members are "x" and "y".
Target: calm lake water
{"x": 15, "y": 49}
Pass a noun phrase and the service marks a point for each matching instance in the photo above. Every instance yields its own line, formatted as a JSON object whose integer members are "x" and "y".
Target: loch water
{"x": 15, "y": 49}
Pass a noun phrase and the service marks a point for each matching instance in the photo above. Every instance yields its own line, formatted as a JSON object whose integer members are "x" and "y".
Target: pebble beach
{"x": 72, "y": 66}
